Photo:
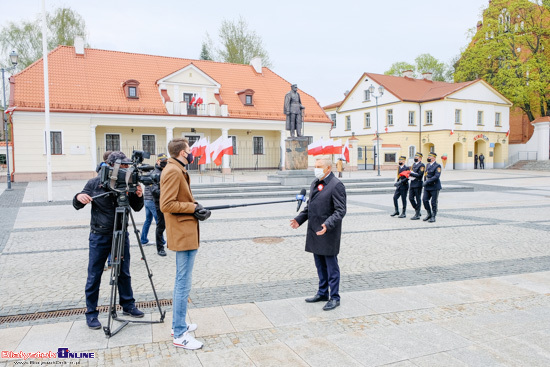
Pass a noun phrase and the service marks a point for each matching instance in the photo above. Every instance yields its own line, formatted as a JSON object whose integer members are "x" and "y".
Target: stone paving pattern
{"x": 471, "y": 289}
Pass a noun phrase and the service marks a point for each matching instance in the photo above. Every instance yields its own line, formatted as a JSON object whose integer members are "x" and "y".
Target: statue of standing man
{"x": 293, "y": 111}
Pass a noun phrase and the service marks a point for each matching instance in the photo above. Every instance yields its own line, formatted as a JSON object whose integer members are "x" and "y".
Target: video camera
{"x": 120, "y": 179}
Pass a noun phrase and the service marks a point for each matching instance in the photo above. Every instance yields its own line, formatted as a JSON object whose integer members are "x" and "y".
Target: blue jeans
{"x": 182, "y": 286}
{"x": 100, "y": 248}
{"x": 150, "y": 213}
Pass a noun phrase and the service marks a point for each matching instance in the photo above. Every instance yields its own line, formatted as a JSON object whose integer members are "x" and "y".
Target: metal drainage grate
{"x": 267, "y": 240}
{"x": 75, "y": 311}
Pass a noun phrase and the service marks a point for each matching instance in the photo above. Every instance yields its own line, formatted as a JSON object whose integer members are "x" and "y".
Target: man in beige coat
{"x": 182, "y": 235}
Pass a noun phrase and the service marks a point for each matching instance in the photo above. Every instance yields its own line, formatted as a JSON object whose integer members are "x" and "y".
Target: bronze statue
{"x": 293, "y": 111}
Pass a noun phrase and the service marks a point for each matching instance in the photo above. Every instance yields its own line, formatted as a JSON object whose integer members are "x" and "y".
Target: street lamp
{"x": 13, "y": 58}
{"x": 381, "y": 91}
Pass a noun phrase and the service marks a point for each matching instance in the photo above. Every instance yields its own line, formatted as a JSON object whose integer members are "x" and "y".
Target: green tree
{"x": 424, "y": 63}
{"x": 26, "y": 37}
{"x": 511, "y": 51}
{"x": 397, "y": 68}
{"x": 239, "y": 44}
{"x": 207, "y": 48}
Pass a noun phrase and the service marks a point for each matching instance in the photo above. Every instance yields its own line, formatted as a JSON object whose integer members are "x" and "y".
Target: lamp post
{"x": 13, "y": 58}
{"x": 381, "y": 91}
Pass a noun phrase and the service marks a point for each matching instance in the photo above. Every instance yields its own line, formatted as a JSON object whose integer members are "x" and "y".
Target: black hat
{"x": 432, "y": 154}
{"x": 419, "y": 154}
{"x": 402, "y": 158}
{"x": 162, "y": 156}
{"x": 114, "y": 156}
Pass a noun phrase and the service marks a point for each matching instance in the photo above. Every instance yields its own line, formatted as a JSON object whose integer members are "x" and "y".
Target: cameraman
{"x": 155, "y": 192}
{"x": 100, "y": 241}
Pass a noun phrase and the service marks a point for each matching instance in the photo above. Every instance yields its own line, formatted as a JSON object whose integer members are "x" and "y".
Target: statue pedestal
{"x": 296, "y": 163}
{"x": 296, "y": 153}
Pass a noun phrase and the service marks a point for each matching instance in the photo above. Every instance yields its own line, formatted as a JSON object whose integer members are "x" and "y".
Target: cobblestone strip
{"x": 268, "y": 291}
{"x": 10, "y": 201}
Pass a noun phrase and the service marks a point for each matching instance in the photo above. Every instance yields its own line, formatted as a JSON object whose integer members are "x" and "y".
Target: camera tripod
{"x": 123, "y": 212}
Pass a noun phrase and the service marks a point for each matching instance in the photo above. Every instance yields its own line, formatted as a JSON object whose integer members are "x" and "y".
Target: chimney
{"x": 256, "y": 63}
{"x": 407, "y": 73}
{"x": 427, "y": 76}
{"x": 79, "y": 46}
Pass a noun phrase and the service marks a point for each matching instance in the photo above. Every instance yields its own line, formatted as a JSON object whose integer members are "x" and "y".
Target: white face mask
{"x": 319, "y": 173}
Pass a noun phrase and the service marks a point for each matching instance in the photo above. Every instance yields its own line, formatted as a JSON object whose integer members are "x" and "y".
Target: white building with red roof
{"x": 458, "y": 120}
{"x": 108, "y": 100}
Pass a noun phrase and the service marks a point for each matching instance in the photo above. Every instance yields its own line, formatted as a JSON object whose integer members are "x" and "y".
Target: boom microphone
{"x": 301, "y": 198}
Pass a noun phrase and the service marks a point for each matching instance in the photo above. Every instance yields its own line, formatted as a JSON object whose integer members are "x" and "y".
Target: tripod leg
{"x": 149, "y": 273}
{"x": 117, "y": 252}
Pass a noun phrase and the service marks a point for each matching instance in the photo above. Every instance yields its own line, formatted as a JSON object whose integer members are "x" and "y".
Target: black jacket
{"x": 103, "y": 208}
{"x": 402, "y": 180}
{"x": 417, "y": 171}
{"x": 326, "y": 205}
{"x": 432, "y": 182}
{"x": 155, "y": 188}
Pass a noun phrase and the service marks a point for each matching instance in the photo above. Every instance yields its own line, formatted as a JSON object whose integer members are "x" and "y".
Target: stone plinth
{"x": 296, "y": 153}
{"x": 293, "y": 178}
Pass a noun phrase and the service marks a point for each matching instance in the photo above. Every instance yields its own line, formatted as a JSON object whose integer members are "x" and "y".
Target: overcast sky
{"x": 323, "y": 46}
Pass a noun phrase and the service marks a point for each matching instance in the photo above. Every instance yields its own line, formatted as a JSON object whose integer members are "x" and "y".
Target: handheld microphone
{"x": 301, "y": 198}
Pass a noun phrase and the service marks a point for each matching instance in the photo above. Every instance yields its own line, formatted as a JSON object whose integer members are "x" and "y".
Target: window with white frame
{"x": 258, "y": 145}
{"x": 234, "y": 143}
{"x": 56, "y": 142}
{"x": 360, "y": 153}
{"x": 367, "y": 120}
{"x": 458, "y": 116}
{"x": 480, "y": 117}
{"x": 333, "y": 118}
{"x": 429, "y": 118}
{"x": 412, "y": 151}
{"x": 367, "y": 95}
{"x": 348, "y": 122}
{"x": 497, "y": 118}
{"x": 389, "y": 117}
{"x": 411, "y": 117}
{"x": 148, "y": 144}
{"x": 112, "y": 142}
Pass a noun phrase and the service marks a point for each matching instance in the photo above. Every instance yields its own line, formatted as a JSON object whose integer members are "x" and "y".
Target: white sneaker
{"x": 187, "y": 341}
{"x": 190, "y": 327}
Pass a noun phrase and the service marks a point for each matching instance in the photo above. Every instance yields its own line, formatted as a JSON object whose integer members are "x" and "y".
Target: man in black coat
{"x": 481, "y": 161}
{"x": 415, "y": 192}
{"x": 155, "y": 193}
{"x": 100, "y": 242}
{"x": 432, "y": 185}
{"x": 324, "y": 212}
{"x": 401, "y": 188}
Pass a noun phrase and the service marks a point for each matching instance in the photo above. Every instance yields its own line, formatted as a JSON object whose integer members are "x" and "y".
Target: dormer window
{"x": 131, "y": 89}
{"x": 246, "y": 96}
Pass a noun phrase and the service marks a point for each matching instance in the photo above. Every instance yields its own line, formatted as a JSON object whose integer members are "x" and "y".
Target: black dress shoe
{"x": 394, "y": 213}
{"x": 162, "y": 253}
{"x": 317, "y": 298}
{"x": 331, "y": 305}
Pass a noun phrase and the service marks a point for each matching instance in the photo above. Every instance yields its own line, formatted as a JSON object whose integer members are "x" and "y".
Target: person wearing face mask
{"x": 151, "y": 211}
{"x": 401, "y": 188}
{"x": 155, "y": 193}
{"x": 182, "y": 235}
{"x": 415, "y": 192}
{"x": 324, "y": 212}
{"x": 432, "y": 185}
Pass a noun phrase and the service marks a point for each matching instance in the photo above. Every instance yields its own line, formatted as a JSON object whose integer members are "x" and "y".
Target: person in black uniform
{"x": 100, "y": 242}
{"x": 401, "y": 188}
{"x": 324, "y": 212}
{"x": 415, "y": 192}
{"x": 475, "y": 161}
{"x": 432, "y": 185}
{"x": 155, "y": 193}
{"x": 481, "y": 161}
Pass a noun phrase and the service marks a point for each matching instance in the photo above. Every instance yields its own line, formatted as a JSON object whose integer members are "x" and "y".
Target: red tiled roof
{"x": 93, "y": 83}
{"x": 414, "y": 90}
{"x": 333, "y": 105}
